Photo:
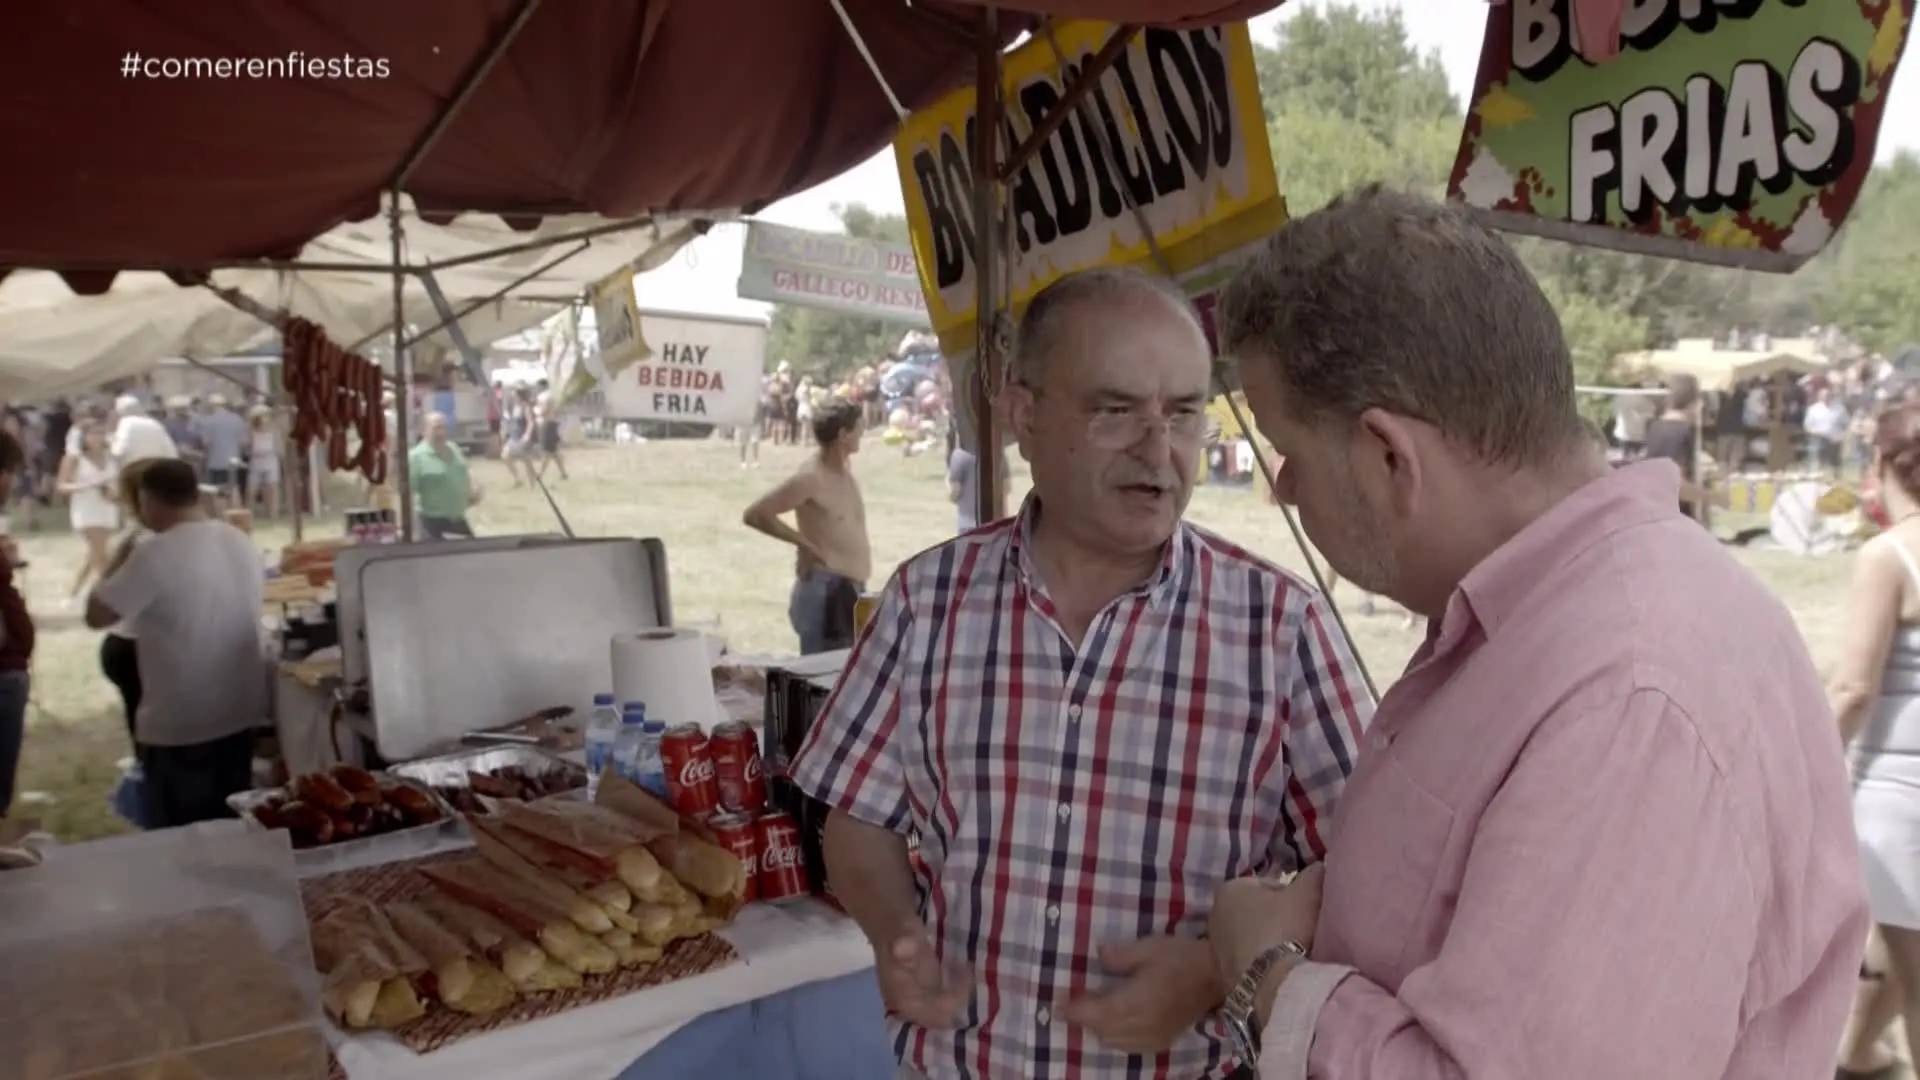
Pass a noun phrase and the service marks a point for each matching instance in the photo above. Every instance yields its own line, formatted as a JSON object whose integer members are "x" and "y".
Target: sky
{"x": 703, "y": 277}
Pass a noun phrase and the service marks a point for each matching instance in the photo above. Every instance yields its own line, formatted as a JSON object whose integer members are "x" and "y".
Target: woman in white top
{"x": 1874, "y": 690}
{"x": 263, "y": 461}
{"x": 89, "y": 480}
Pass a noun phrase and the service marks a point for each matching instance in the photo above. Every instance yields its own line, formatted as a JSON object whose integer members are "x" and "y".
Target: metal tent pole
{"x": 991, "y": 496}
{"x": 403, "y": 375}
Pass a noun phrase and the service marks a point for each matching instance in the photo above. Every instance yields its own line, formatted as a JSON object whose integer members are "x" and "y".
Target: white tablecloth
{"x": 780, "y": 948}
{"x": 301, "y": 718}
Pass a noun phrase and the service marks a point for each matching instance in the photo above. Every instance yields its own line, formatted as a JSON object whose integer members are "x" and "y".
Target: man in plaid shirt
{"x": 1092, "y": 715}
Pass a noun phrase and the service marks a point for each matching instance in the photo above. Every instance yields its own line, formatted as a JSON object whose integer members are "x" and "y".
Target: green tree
{"x": 828, "y": 344}
{"x": 1350, "y": 101}
{"x": 1868, "y": 280}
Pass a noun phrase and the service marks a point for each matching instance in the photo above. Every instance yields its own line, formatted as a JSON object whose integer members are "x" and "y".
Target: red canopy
{"x": 126, "y": 147}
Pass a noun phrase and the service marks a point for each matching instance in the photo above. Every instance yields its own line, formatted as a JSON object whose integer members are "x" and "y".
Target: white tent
{"x": 53, "y": 341}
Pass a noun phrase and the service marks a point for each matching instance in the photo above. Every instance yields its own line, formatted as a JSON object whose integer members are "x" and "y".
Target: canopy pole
{"x": 403, "y": 374}
{"x": 990, "y": 494}
{"x": 468, "y": 86}
{"x": 1069, "y": 103}
{"x": 860, "y": 46}
{"x": 588, "y": 233}
{"x": 494, "y": 297}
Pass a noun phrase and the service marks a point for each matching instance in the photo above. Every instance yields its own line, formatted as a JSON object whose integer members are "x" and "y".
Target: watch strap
{"x": 1238, "y": 1010}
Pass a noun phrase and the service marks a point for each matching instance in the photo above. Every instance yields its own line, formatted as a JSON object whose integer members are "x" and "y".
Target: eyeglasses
{"x": 1121, "y": 429}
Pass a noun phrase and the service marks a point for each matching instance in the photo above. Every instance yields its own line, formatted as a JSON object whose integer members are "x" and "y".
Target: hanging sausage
{"x": 336, "y": 399}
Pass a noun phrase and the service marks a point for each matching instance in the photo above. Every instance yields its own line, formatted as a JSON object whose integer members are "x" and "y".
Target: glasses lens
{"x": 1115, "y": 431}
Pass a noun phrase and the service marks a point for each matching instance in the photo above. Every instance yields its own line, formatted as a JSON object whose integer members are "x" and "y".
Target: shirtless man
{"x": 835, "y": 558}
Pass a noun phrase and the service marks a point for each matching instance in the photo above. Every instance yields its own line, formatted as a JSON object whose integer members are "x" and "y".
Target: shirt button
{"x": 1053, "y": 912}
{"x": 1045, "y": 1016}
{"x": 1073, "y": 713}
{"x": 1380, "y": 740}
{"x": 1065, "y": 811}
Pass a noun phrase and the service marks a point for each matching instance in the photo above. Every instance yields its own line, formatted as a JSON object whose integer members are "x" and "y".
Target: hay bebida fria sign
{"x": 1179, "y": 113}
{"x": 701, "y": 369}
{"x": 1729, "y": 131}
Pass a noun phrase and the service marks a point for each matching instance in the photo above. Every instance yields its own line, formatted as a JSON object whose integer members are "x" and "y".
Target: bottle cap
{"x": 602, "y": 699}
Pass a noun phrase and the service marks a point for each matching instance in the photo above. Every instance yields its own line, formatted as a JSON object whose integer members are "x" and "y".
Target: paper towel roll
{"x": 670, "y": 670}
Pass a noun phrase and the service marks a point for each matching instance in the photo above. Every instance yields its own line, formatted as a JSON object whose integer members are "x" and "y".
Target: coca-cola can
{"x": 782, "y": 877}
{"x": 689, "y": 768}
{"x": 736, "y": 767}
{"x": 738, "y": 834}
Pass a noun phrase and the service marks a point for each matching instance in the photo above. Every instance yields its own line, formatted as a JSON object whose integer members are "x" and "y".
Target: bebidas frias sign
{"x": 1727, "y": 131}
{"x": 1181, "y": 113}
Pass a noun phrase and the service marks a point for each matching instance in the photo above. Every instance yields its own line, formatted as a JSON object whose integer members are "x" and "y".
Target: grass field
{"x": 690, "y": 494}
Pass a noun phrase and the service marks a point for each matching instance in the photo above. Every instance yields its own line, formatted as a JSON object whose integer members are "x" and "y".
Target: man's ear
{"x": 1388, "y": 453}
{"x": 1017, "y": 405}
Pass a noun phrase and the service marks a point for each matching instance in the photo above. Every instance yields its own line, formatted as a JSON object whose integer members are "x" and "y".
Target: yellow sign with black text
{"x": 1174, "y": 128}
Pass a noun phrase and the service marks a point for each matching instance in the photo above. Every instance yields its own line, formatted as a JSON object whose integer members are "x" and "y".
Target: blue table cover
{"x": 831, "y": 1030}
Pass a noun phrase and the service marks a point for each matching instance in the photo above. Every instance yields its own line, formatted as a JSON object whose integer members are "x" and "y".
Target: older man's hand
{"x": 1161, "y": 987}
{"x": 1252, "y": 915}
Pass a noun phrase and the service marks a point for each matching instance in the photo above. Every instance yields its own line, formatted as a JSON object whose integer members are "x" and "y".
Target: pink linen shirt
{"x": 1601, "y": 829}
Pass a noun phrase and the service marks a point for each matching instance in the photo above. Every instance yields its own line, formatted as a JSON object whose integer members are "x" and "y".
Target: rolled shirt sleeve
{"x": 1327, "y": 711}
{"x": 851, "y": 759}
{"x": 1586, "y": 943}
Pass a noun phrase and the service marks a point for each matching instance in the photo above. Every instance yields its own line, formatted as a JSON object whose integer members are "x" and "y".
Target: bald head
{"x": 1085, "y": 292}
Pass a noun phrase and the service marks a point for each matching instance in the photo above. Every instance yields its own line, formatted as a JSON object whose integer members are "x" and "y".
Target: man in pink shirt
{"x": 1600, "y": 830}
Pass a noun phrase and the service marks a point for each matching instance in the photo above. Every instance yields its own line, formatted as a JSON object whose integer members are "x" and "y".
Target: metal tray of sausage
{"x": 533, "y": 773}
{"x": 332, "y": 856}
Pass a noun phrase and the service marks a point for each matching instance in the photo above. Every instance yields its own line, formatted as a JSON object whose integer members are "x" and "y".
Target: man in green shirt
{"x": 442, "y": 488}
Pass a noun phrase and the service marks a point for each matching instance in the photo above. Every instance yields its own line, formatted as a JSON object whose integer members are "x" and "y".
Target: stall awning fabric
{"x": 53, "y": 342}
{"x": 131, "y": 145}
{"x": 1721, "y": 369}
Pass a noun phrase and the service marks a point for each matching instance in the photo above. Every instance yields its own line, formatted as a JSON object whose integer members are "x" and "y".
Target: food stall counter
{"x": 782, "y": 949}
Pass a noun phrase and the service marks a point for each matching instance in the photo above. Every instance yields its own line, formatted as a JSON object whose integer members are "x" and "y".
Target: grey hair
{"x": 1040, "y": 323}
{"x": 1388, "y": 300}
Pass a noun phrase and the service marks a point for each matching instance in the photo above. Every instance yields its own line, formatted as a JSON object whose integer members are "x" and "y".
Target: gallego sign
{"x": 783, "y": 265}
{"x": 1181, "y": 113}
{"x": 1728, "y": 131}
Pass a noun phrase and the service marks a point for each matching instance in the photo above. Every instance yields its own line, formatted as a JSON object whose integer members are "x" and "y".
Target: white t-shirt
{"x": 140, "y": 437}
{"x": 192, "y": 596}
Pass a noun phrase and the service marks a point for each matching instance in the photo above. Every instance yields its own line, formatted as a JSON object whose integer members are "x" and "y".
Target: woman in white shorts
{"x": 89, "y": 480}
{"x": 263, "y": 461}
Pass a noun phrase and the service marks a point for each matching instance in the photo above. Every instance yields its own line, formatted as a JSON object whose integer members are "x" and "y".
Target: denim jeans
{"x": 820, "y": 609}
{"x": 13, "y": 731}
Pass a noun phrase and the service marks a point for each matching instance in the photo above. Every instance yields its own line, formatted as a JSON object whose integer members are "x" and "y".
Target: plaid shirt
{"x": 1065, "y": 799}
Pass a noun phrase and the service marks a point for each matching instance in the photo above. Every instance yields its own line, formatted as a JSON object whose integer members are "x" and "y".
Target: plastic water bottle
{"x": 652, "y": 773}
{"x": 630, "y": 750}
{"x": 603, "y": 728}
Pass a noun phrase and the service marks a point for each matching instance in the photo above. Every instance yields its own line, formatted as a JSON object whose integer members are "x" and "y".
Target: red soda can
{"x": 736, "y": 766}
{"x": 738, "y": 834}
{"x": 782, "y": 877}
{"x": 689, "y": 768}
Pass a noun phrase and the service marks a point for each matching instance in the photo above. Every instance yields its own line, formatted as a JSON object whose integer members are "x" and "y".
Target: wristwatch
{"x": 1238, "y": 1011}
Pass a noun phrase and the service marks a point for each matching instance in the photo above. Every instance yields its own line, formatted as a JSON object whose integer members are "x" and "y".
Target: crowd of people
{"x": 1601, "y": 827}
{"x": 1826, "y": 418}
{"x": 903, "y": 398}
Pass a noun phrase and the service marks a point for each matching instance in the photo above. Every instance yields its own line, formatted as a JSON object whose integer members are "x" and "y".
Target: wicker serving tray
{"x": 443, "y": 1027}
